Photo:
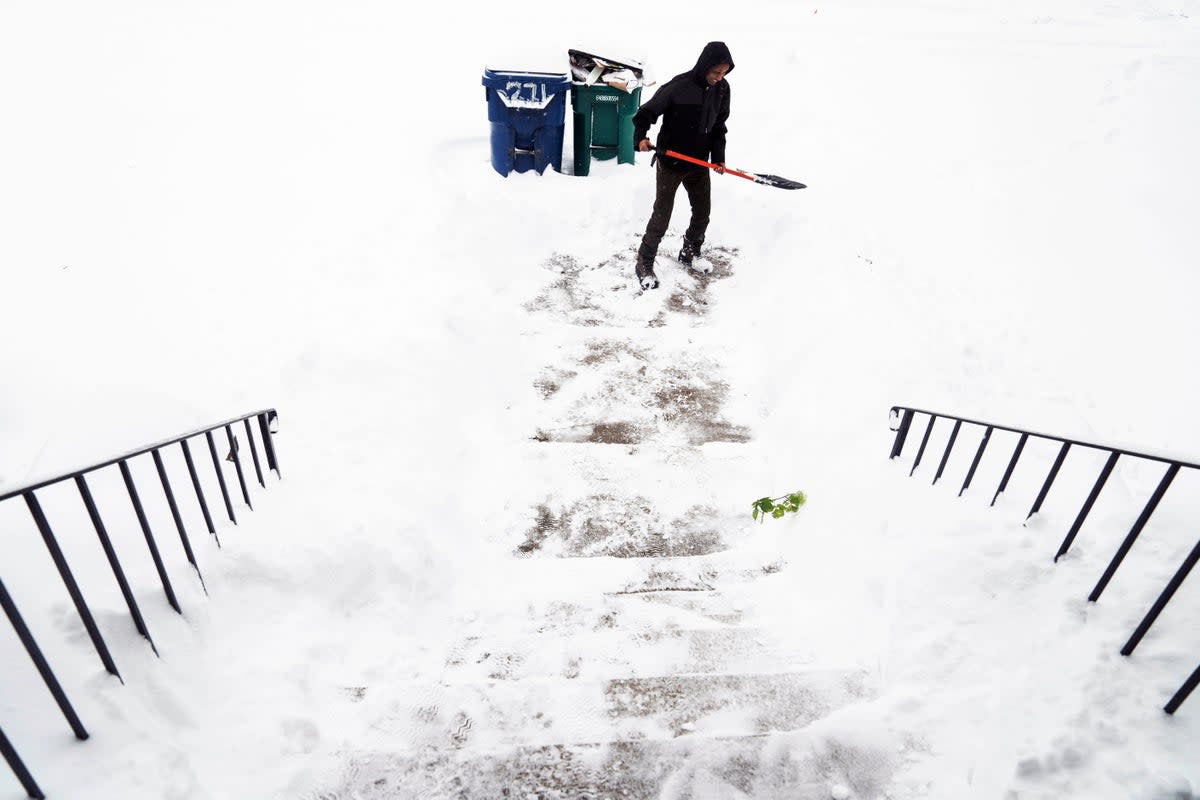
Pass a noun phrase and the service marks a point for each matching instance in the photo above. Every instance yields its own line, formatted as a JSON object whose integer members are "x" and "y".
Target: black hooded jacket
{"x": 693, "y": 112}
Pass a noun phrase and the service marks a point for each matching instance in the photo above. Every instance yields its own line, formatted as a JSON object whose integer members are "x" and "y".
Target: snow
{"x": 514, "y": 485}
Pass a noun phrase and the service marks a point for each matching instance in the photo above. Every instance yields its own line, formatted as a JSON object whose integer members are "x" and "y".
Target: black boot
{"x": 688, "y": 253}
{"x": 646, "y": 276}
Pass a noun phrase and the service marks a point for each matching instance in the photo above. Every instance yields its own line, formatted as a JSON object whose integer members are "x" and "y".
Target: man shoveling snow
{"x": 694, "y": 106}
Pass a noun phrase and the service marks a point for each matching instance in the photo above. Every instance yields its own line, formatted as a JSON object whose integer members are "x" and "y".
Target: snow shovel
{"x": 766, "y": 180}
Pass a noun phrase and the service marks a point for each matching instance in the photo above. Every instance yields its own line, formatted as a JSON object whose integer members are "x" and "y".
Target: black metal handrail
{"x": 267, "y": 416}
{"x": 267, "y": 420}
{"x": 902, "y": 417}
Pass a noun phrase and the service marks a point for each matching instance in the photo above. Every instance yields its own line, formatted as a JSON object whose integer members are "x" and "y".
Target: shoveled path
{"x": 643, "y": 678}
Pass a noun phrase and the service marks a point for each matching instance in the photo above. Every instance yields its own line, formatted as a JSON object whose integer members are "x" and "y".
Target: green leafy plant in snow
{"x": 777, "y": 506}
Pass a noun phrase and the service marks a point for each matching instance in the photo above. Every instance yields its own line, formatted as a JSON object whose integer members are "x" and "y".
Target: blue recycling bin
{"x": 527, "y": 111}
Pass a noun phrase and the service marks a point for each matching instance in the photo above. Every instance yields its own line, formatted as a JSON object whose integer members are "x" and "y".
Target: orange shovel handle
{"x": 708, "y": 164}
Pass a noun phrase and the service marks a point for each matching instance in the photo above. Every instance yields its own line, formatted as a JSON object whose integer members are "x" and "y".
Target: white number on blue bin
{"x": 514, "y": 91}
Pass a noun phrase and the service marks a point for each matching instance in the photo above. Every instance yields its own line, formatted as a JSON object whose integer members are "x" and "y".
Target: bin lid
{"x": 501, "y": 75}
{"x": 526, "y": 58}
{"x": 616, "y": 60}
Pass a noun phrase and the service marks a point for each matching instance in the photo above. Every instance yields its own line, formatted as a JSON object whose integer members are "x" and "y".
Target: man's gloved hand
{"x": 720, "y": 168}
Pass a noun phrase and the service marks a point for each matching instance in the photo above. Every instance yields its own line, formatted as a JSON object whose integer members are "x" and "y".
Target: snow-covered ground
{"x": 513, "y": 524}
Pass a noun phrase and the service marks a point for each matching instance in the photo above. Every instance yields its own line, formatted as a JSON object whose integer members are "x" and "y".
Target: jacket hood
{"x": 714, "y": 53}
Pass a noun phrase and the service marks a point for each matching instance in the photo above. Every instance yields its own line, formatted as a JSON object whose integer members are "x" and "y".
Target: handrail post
{"x": 924, "y": 442}
{"x": 170, "y": 495}
{"x": 1135, "y": 531}
{"x": 254, "y": 452}
{"x": 39, "y": 661}
{"x": 983, "y": 443}
{"x": 901, "y": 432}
{"x": 1173, "y": 586}
{"x": 113, "y": 561}
{"x": 212, "y": 450}
{"x": 1058, "y": 462}
{"x": 1012, "y": 464}
{"x": 146, "y": 532}
{"x": 1087, "y": 505}
{"x": 949, "y": 447}
{"x": 64, "y": 571}
{"x": 18, "y": 768}
{"x": 1187, "y": 688}
{"x": 191, "y": 465}
{"x": 265, "y": 420}
{"x": 237, "y": 464}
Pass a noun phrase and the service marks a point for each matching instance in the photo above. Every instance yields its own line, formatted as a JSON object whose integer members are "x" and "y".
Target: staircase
{"x": 660, "y": 683}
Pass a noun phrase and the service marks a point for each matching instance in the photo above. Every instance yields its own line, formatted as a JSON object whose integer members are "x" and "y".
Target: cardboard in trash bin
{"x": 626, "y": 74}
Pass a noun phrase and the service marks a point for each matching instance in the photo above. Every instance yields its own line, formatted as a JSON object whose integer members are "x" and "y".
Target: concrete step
{"x": 767, "y": 767}
{"x": 621, "y": 593}
{"x": 623, "y": 526}
{"x": 639, "y": 647}
{"x": 676, "y": 606}
{"x": 536, "y": 712}
{"x": 616, "y": 391}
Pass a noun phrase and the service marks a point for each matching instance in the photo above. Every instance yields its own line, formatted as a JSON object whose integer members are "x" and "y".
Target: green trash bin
{"x": 603, "y": 123}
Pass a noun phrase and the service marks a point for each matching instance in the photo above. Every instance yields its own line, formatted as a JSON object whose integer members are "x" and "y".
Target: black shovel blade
{"x": 775, "y": 180}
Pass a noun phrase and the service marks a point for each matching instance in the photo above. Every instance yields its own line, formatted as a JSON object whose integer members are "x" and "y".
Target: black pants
{"x": 699, "y": 192}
